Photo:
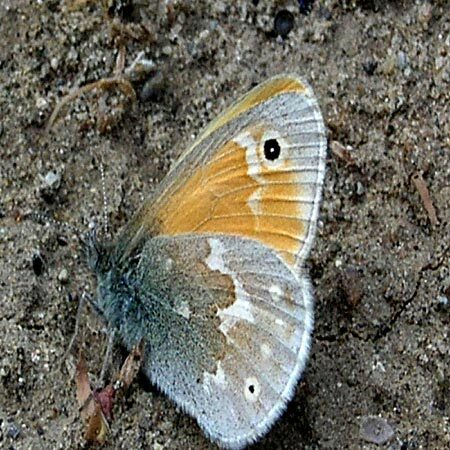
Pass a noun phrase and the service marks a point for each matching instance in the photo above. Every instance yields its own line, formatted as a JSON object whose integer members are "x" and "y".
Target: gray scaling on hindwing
{"x": 148, "y": 298}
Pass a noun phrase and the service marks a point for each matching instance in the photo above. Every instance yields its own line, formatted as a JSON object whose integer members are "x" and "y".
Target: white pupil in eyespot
{"x": 271, "y": 149}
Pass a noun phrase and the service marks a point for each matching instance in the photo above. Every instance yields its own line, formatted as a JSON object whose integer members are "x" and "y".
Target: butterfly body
{"x": 209, "y": 272}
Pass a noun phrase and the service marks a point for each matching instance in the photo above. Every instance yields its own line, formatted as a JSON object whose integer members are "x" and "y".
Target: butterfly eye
{"x": 272, "y": 149}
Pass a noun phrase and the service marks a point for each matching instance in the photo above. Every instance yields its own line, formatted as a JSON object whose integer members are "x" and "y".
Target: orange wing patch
{"x": 239, "y": 192}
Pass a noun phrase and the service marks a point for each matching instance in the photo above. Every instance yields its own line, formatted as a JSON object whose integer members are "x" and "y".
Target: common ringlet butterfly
{"x": 209, "y": 272}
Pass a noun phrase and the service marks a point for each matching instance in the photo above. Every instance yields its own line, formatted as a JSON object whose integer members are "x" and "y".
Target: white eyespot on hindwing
{"x": 242, "y": 308}
{"x": 252, "y": 389}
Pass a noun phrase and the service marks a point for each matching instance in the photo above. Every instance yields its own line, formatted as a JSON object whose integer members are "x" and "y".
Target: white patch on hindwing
{"x": 183, "y": 309}
{"x": 266, "y": 350}
{"x": 241, "y": 308}
{"x": 276, "y": 293}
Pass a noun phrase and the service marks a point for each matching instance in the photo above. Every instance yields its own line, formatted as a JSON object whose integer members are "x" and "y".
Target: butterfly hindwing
{"x": 227, "y": 326}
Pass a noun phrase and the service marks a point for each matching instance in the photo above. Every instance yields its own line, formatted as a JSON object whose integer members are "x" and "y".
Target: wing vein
{"x": 279, "y": 183}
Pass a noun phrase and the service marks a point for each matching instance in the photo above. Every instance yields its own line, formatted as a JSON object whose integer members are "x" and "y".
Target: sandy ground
{"x": 380, "y": 264}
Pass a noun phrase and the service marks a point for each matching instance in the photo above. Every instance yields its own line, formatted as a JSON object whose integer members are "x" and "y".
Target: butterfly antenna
{"x": 46, "y": 219}
{"x": 105, "y": 199}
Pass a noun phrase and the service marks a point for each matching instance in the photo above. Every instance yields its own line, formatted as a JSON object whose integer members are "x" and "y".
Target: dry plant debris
{"x": 96, "y": 406}
{"x": 424, "y": 193}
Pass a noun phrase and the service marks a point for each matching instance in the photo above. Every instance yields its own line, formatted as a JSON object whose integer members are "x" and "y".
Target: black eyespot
{"x": 251, "y": 388}
{"x": 272, "y": 149}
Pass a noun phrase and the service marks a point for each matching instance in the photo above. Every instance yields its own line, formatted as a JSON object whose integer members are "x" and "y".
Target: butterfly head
{"x": 97, "y": 252}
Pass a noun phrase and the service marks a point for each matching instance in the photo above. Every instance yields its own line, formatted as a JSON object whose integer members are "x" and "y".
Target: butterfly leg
{"x": 107, "y": 358}
{"x": 84, "y": 297}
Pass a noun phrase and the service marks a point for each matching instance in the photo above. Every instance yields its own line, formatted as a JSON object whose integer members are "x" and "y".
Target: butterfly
{"x": 209, "y": 273}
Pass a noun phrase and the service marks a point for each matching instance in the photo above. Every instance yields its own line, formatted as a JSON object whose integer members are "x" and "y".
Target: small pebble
{"x": 153, "y": 89}
{"x": 38, "y": 264}
{"x": 54, "y": 63}
{"x": 41, "y": 103}
{"x": 376, "y": 430}
{"x": 167, "y": 50}
{"x": 52, "y": 179}
{"x": 369, "y": 67}
{"x": 283, "y": 23}
{"x": 402, "y": 60}
{"x": 447, "y": 287}
{"x": 388, "y": 67}
{"x": 62, "y": 240}
{"x": 13, "y": 431}
{"x": 63, "y": 276}
{"x": 305, "y": 6}
{"x": 51, "y": 183}
{"x": 352, "y": 283}
{"x": 360, "y": 189}
{"x": 72, "y": 55}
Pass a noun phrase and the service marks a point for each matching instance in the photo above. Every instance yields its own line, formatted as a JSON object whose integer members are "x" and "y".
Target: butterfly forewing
{"x": 257, "y": 174}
